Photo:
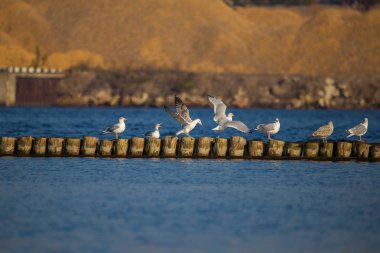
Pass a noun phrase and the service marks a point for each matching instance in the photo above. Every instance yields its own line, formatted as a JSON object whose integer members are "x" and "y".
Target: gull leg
{"x": 360, "y": 138}
{"x": 324, "y": 140}
{"x": 116, "y": 136}
{"x": 269, "y": 137}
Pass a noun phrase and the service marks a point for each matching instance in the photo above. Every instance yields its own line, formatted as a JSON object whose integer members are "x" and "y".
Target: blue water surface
{"x": 185, "y": 205}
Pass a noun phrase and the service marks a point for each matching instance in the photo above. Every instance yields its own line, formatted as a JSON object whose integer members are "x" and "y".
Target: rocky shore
{"x": 89, "y": 87}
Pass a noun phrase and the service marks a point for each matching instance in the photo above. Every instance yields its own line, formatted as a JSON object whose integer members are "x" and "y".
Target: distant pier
{"x": 236, "y": 147}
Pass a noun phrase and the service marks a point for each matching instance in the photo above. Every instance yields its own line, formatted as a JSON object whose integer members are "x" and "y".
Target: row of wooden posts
{"x": 188, "y": 147}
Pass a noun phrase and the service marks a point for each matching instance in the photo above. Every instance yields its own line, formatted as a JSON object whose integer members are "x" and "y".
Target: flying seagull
{"x": 117, "y": 128}
{"x": 324, "y": 131}
{"x": 182, "y": 116}
{"x": 359, "y": 130}
{"x": 268, "y": 129}
{"x": 224, "y": 121}
{"x": 155, "y": 133}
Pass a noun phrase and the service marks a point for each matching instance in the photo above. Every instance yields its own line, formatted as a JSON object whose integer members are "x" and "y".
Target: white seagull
{"x": 324, "y": 131}
{"x": 359, "y": 130}
{"x": 183, "y": 117}
{"x": 155, "y": 133}
{"x": 268, "y": 129}
{"x": 224, "y": 121}
{"x": 117, "y": 128}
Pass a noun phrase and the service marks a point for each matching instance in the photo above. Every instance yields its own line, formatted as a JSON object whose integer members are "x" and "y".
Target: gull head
{"x": 365, "y": 120}
{"x": 199, "y": 122}
{"x": 330, "y": 123}
{"x": 158, "y": 125}
{"x": 121, "y": 119}
{"x": 230, "y": 115}
{"x": 277, "y": 120}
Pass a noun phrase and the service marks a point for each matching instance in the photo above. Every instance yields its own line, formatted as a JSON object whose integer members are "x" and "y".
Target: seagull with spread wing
{"x": 117, "y": 128}
{"x": 359, "y": 130}
{"x": 182, "y": 116}
{"x": 268, "y": 129}
{"x": 224, "y": 121}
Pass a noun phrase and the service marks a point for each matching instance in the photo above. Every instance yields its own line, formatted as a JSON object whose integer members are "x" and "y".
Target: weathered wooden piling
{"x": 72, "y": 146}
{"x": 136, "y": 147}
{"x": 375, "y": 151}
{"x": 39, "y": 146}
{"x": 89, "y": 145}
{"x": 24, "y": 145}
{"x": 204, "y": 147}
{"x": 293, "y": 149}
{"x": 311, "y": 150}
{"x": 186, "y": 147}
{"x": 152, "y": 147}
{"x": 237, "y": 146}
{"x": 326, "y": 150}
{"x": 256, "y": 148}
{"x": 220, "y": 147}
{"x": 343, "y": 149}
{"x": 105, "y": 148}
{"x": 55, "y": 146}
{"x": 275, "y": 148}
{"x": 360, "y": 149}
{"x": 120, "y": 147}
{"x": 7, "y": 145}
{"x": 169, "y": 146}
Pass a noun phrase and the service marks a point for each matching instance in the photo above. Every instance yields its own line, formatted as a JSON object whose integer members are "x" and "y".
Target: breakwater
{"x": 236, "y": 147}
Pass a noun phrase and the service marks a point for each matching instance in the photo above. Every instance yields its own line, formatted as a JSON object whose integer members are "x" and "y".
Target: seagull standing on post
{"x": 224, "y": 121}
{"x": 324, "y": 131}
{"x": 359, "y": 130}
{"x": 182, "y": 116}
{"x": 155, "y": 133}
{"x": 117, "y": 128}
{"x": 268, "y": 129}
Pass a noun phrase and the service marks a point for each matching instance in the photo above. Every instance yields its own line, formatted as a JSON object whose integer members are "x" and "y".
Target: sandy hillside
{"x": 196, "y": 35}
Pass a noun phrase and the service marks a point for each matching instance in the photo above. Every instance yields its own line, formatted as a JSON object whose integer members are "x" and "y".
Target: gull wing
{"x": 219, "y": 109}
{"x": 175, "y": 116}
{"x": 267, "y": 127}
{"x": 182, "y": 110}
{"x": 238, "y": 125}
{"x": 112, "y": 128}
{"x": 323, "y": 131}
{"x": 358, "y": 129}
{"x": 149, "y": 133}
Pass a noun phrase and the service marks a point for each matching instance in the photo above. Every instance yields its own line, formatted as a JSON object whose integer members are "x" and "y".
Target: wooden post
{"x": 237, "y": 146}
{"x": 343, "y": 149}
{"x": 204, "y": 147}
{"x": 152, "y": 147}
{"x": 137, "y": 147}
{"x": 360, "y": 149}
{"x": 39, "y": 146}
{"x": 311, "y": 149}
{"x": 220, "y": 147}
{"x": 169, "y": 146}
{"x": 275, "y": 148}
{"x": 256, "y": 148}
{"x": 121, "y": 147}
{"x": 375, "y": 151}
{"x": 105, "y": 148}
{"x": 55, "y": 146}
{"x": 24, "y": 145}
{"x": 326, "y": 150}
{"x": 72, "y": 146}
{"x": 293, "y": 149}
{"x": 89, "y": 145}
{"x": 7, "y": 146}
{"x": 186, "y": 148}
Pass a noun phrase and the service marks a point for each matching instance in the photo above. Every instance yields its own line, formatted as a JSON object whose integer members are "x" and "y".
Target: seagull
{"x": 359, "y": 130}
{"x": 155, "y": 133}
{"x": 183, "y": 117}
{"x": 117, "y": 128}
{"x": 324, "y": 131}
{"x": 271, "y": 128}
{"x": 224, "y": 121}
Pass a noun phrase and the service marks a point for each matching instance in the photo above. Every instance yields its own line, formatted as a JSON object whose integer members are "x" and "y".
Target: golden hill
{"x": 192, "y": 35}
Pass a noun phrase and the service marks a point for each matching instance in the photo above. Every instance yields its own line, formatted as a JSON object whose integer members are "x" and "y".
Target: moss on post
{"x": 375, "y": 151}
{"x": 237, "y": 146}
{"x": 275, "y": 148}
{"x": 136, "y": 147}
{"x": 256, "y": 148}
{"x": 343, "y": 149}
{"x": 152, "y": 147}
{"x": 220, "y": 147}
{"x": 361, "y": 149}
{"x": 39, "y": 146}
{"x": 293, "y": 149}
{"x": 105, "y": 148}
{"x": 186, "y": 148}
{"x": 7, "y": 145}
{"x": 311, "y": 150}
{"x": 89, "y": 145}
{"x": 169, "y": 146}
{"x": 72, "y": 146}
{"x": 121, "y": 147}
{"x": 24, "y": 145}
{"x": 326, "y": 150}
{"x": 204, "y": 147}
{"x": 55, "y": 146}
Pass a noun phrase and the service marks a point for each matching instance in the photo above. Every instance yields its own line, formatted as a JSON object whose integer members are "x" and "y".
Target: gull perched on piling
{"x": 324, "y": 131}
{"x": 224, "y": 121}
{"x": 182, "y": 116}
{"x": 268, "y": 129}
{"x": 359, "y": 130}
{"x": 155, "y": 133}
{"x": 117, "y": 128}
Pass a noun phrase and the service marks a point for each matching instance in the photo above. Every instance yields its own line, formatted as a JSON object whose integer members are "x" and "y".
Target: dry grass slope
{"x": 197, "y": 35}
